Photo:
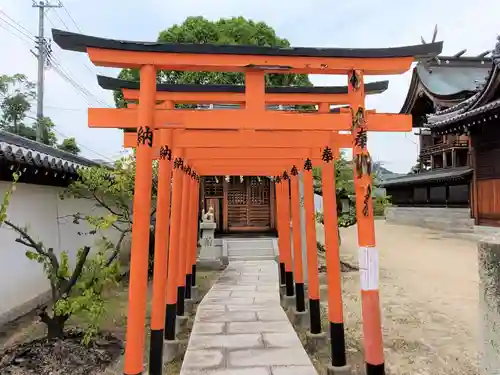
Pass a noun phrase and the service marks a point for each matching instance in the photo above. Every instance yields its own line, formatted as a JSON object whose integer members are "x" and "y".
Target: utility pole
{"x": 43, "y": 47}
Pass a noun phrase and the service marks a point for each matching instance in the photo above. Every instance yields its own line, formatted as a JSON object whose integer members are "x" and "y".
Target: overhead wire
{"x": 83, "y": 146}
{"x": 25, "y": 36}
{"x": 71, "y": 18}
{"x": 14, "y": 34}
{"x": 59, "y": 70}
{"x": 66, "y": 109}
{"x": 79, "y": 144}
{"x": 23, "y": 33}
{"x": 67, "y": 28}
{"x": 60, "y": 19}
{"x": 16, "y": 25}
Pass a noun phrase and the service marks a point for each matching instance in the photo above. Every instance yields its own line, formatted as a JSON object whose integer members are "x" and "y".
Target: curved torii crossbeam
{"x": 232, "y": 94}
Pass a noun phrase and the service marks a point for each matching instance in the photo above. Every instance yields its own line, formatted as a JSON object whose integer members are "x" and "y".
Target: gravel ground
{"x": 429, "y": 298}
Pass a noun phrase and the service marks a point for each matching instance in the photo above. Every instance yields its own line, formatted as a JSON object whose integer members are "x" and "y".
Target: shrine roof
{"x": 109, "y": 83}
{"x": 79, "y": 43}
{"x": 486, "y": 99}
{"x": 447, "y": 81}
{"x": 436, "y": 175}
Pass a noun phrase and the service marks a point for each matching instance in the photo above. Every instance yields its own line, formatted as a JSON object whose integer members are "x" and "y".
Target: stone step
{"x": 251, "y": 253}
{"x": 251, "y": 250}
{"x": 251, "y": 257}
{"x": 245, "y": 244}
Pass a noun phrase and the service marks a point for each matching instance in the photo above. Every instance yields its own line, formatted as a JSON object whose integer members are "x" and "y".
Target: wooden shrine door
{"x": 249, "y": 204}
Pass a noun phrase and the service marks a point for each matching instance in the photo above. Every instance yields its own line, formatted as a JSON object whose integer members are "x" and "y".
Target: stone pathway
{"x": 241, "y": 329}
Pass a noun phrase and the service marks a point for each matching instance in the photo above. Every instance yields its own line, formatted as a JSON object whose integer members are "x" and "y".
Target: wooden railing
{"x": 443, "y": 147}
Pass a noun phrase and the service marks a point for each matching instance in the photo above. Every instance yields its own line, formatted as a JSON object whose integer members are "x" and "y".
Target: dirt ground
{"x": 29, "y": 328}
{"x": 429, "y": 300}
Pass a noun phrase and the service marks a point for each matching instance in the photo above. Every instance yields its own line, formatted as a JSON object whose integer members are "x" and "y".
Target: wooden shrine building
{"x": 240, "y": 203}
{"x": 455, "y": 103}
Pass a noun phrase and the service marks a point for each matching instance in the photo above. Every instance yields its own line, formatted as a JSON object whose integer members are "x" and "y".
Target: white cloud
{"x": 357, "y": 23}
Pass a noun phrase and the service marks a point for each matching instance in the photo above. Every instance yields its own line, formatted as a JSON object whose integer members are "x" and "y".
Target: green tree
{"x": 344, "y": 184}
{"x": 77, "y": 289}
{"x": 236, "y": 31}
{"x": 69, "y": 145}
{"x": 112, "y": 190}
{"x": 17, "y": 94}
{"x": 49, "y": 136}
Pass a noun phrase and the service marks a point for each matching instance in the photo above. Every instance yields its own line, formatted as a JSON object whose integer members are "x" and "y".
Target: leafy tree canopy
{"x": 69, "y": 145}
{"x": 236, "y": 31}
{"x": 17, "y": 95}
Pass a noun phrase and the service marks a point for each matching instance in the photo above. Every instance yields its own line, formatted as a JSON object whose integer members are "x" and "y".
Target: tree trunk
{"x": 55, "y": 325}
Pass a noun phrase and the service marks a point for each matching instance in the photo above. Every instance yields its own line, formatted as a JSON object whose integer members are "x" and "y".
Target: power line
{"x": 71, "y": 18}
{"x": 16, "y": 35}
{"x": 60, "y": 19}
{"x": 67, "y": 109}
{"x": 20, "y": 28}
{"x": 50, "y": 20}
{"x": 23, "y": 36}
{"x": 67, "y": 28}
{"x": 78, "y": 143}
{"x": 75, "y": 83}
{"x": 83, "y": 146}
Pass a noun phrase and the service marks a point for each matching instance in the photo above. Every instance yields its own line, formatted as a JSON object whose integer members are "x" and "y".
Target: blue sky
{"x": 356, "y": 23}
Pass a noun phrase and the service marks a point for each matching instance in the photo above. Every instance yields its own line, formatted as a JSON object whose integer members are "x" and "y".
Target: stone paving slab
{"x": 241, "y": 328}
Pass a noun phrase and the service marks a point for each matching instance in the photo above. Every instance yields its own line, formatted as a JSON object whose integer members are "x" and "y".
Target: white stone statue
{"x": 209, "y": 216}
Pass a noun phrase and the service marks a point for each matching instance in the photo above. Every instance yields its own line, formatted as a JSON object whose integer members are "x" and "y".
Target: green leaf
{"x": 31, "y": 255}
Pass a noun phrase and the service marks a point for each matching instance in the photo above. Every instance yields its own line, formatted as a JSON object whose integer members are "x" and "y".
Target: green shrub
{"x": 379, "y": 205}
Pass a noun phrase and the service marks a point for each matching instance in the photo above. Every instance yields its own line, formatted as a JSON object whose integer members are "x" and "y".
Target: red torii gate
{"x": 254, "y": 62}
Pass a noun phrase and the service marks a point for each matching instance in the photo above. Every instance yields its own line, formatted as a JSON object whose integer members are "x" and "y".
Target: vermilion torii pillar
{"x": 160, "y": 298}
{"x": 254, "y": 62}
{"x": 368, "y": 254}
{"x": 140, "y": 227}
{"x": 236, "y": 157}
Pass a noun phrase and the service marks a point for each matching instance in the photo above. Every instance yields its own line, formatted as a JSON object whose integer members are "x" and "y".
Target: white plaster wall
{"x": 318, "y": 203}
{"x": 37, "y": 207}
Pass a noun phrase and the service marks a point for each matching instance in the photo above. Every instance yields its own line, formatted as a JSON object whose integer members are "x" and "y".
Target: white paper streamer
{"x": 368, "y": 268}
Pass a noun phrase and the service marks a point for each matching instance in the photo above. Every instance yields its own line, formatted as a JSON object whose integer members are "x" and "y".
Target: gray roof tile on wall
{"x": 25, "y": 151}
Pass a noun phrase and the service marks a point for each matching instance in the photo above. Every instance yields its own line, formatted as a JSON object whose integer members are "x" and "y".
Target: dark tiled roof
{"x": 447, "y": 83}
{"x": 437, "y": 175}
{"x": 483, "y": 101}
{"x": 463, "y": 115}
{"x": 25, "y": 151}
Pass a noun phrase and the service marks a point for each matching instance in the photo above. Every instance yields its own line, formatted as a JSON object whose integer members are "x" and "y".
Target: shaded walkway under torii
{"x": 251, "y": 122}
{"x": 241, "y": 328}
